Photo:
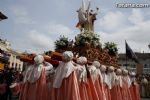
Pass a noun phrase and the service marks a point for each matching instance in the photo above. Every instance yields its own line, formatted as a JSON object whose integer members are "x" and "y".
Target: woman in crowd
{"x": 65, "y": 81}
{"x": 84, "y": 88}
{"x": 34, "y": 86}
{"x": 97, "y": 80}
{"x": 125, "y": 86}
{"x": 77, "y": 81}
{"x": 105, "y": 82}
{"x": 91, "y": 81}
{"x": 116, "y": 82}
{"x": 134, "y": 87}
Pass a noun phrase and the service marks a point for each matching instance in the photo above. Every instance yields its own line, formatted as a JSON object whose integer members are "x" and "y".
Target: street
{"x": 145, "y": 99}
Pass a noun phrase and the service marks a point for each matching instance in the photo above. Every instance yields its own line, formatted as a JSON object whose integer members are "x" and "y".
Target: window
{"x": 119, "y": 64}
{"x": 13, "y": 56}
{"x": 133, "y": 66}
{"x": 126, "y": 65}
{"x": 12, "y": 64}
{"x": 145, "y": 65}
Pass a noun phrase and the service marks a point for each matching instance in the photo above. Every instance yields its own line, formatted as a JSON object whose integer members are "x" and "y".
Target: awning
{"x": 2, "y": 16}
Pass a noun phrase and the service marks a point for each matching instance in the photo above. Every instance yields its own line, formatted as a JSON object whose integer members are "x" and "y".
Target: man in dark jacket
{"x": 9, "y": 79}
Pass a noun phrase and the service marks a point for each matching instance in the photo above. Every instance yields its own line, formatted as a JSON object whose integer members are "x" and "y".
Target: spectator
{"x": 8, "y": 74}
{"x": 2, "y": 86}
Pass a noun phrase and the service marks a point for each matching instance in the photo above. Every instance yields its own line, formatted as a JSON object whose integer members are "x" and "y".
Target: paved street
{"x": 145, "y": 98}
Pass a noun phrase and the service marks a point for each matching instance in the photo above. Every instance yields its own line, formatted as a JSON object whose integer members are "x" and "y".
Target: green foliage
{"x": 111, "y": 47}
{"x": 61, "y": 43}
{"x": 86, "y": 39}
{"x": 90, "y": 39}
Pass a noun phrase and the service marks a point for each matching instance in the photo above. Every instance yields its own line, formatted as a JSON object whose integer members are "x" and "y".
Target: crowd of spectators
{"x": 144, "y": 82}
{"x": 10, "y": 75}
{"x": 7, "y": 77}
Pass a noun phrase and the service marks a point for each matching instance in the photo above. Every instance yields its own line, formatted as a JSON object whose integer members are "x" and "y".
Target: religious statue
{"x": 86, "y": 18}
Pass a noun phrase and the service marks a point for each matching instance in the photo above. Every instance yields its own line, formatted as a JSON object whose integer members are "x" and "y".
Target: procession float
{"x": 87, "y": 43}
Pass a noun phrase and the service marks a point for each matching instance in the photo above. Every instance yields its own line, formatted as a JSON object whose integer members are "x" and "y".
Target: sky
{"x": 34, "y": 25}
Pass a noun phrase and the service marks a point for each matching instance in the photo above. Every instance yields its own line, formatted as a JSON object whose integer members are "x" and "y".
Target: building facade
{"x": 4, "y": 55}
{"x": 144, "y": 59}
{"x": 12, "y": 60}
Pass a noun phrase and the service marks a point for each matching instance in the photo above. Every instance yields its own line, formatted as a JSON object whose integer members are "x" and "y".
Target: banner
{"x": 130, "y": 54}
{"x": 139, "y": 69}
